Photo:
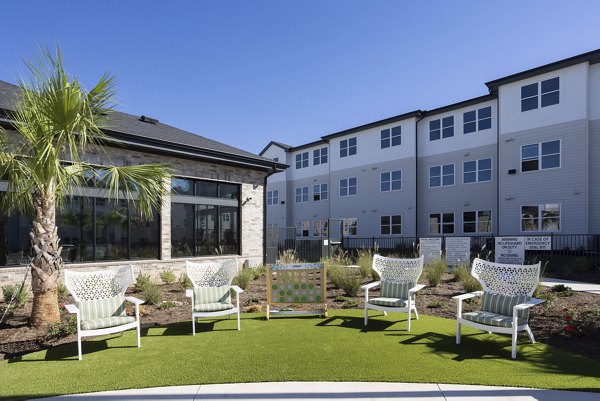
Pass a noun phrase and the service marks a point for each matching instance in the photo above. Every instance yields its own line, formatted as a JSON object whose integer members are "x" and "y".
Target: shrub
{"x": 346, "y": 279}
{"x": 434, "y": 272}
{"x": 365, "y": 262}
{"x": 19, "y": 295}
{"x": 252, "y": 301}
{"x": 436, "y": 305}
{"x": 62, "y": 291}
{"x": 582, "y": 323}
{"x": 142, "y": 281}
{"x": 167, "y": 305}
{"x": 562, "y": 290}
{"x": 167, "y": 276}
{"x": 460, "y": 272}
{"x": 64, "y": 329}
{"x": 341, "y": 298}
{"x": 243, "y": 278}
{"x": 153, "y": 294}
{"x": 185, "y": 282}
{"x": 258, "y": 271}
{"x": 349, "y": 304}
{"x": 288, "y": 256}
{"x": 463, "y": 275}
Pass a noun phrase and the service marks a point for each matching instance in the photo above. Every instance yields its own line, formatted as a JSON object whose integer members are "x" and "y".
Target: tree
{"x": 58, "y": 122}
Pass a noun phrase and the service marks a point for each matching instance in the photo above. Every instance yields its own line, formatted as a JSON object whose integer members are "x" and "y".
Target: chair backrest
{"x": 101, "y": 284}
{"x": 505, "y": 279}
{"x": 398, "y": 271}
{"x": 211, "y": 274}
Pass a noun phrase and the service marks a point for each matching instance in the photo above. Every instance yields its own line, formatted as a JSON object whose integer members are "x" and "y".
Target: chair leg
{"x": 530, "y": 334}
{"x": 193, "y": 325}
{"x": 416, "y": 313}
{"x": 366, "y": 315}
{"x": 238, "y": 319}
{"x": 384, "y": 313}
{"x": 458, "y": 328}
{"x": 138, "y": 335}
{"x": 79, "y": 345}
{"x": 409, "y": 318}
{"x": 514, "y": 343}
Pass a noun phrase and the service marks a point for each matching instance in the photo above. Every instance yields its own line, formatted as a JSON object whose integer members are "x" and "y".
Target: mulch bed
{"x": 547, "y": 321}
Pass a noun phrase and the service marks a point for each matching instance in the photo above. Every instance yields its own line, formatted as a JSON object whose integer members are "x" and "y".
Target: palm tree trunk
{"x": 46, "y": 263}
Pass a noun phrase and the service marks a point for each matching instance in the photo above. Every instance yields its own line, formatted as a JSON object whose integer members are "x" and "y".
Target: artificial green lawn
{"x": 336, "y": 348}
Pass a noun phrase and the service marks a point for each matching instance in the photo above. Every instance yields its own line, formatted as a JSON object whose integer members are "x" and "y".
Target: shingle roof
{"x": 133, "y": 127}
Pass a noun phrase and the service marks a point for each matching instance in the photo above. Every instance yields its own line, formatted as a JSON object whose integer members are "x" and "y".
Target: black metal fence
{"x": 569, "y": 256}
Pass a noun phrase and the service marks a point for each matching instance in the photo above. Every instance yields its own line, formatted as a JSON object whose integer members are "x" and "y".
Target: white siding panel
{"x": 594, "y": 91}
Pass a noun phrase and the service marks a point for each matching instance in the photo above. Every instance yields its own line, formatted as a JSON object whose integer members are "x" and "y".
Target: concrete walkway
{"x": 575, "y": 285}
{"x": 312, "y": 391}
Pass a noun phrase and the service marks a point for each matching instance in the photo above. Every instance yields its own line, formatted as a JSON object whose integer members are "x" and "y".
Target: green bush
{"x": 258, "y": 271}
{"x": 142, "y": 281}
{"x": 461, "y": 272}
{"x": 346, "y": 279}
{"x": 341, "y": 298}
{"x": 64, "y": 329}
{"x": 349, "y": 304}
{"x": 185, "y": 282}
{"x": 62, "y": 291}
{"x": 562, "y": 290}
{"x": 470, "y": 284}
{"x": 243, "y": 278}
{"x": 167, "y": 276}
{"x": 436, "y": 305}
{"x": 152, "y": 294}
{"x": 365, "y": 262}
{"x": 584, "y": 323}
{"x": 20, "y": 295}
{"x": 288, "y": 256}
{"x": 167, "y": 305}
{"x": 434, "y": 271}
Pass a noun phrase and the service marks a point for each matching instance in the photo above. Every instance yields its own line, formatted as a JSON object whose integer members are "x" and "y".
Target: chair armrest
{"x": 462, "y": 297}
{"x": 525, "y": 305}
{"x": 237, "y": 289}
{"x": 134, "y": 300}
{"x": 72, "y": 308}
{"x": 417, "y": 288}
{"x": 189, "y": 293}
{"x": 370, "y": 285}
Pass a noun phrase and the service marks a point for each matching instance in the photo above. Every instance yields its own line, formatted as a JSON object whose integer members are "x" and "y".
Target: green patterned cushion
{"x": 394, "y": 302}
{"x": 395, "y": 290}
{"x": 210, "y": 295}
{"x": 213, "y": 307}
{"x": 503, "y": 304}
{"x": 492, "y": 319}
{"x": 106, "y": 322}
{"x": 102, "y": 308}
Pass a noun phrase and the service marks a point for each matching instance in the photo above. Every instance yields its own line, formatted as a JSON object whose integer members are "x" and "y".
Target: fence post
{"x": 373, "y": 246}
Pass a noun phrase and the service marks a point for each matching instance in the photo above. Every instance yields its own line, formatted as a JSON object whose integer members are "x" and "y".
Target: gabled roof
{"x": 591, "y": 57}
{"x": 132, "y": 131}
{"x": 278, "y": 144}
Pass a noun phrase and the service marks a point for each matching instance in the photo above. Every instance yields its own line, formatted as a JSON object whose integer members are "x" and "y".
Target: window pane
{"x": 434, "y": 135}
{"x": 181, "y": 186}
{"x": 529, "y": 165}
{"x": 352, "y": 141}
{"x": 485, "y": 164}
{"x": 206, "y": 188}
{"x": 448, "y": 218}
{"x": 485, "y": 124}
{"x": 470, "y": 166}
{"x": 396, "y": 219}
{"x": 228, "y": 230}
{"x": 448, "y": 132}
{"x": 228, "y": 191}
{"x": 485, "y": 221}
{"x": 433, "y": 171}
{"x": 550, "y": 147}
{"x": 469, "y": 116}
{"x": 529, "y": 151}
{"x": 351, "y": 191}
{"x": 385, "y": 186}
{"x": 207, "y": 236}
{"x": 434, "y": 223}
{"x": 396, "y": 175}
{"x": 448, "y": 121}
{"x": 470, "y": 177}
{"x": 145, "y": 242}
{"x": 549, "y": 99}
{"x": 448, "y": 180}
{"x": 434, "y": 182}
{"x": 111, "y": 230}
{"x": 529, "y": 103}
{"x": 529, "y": 212}
{"x": 550, "y": 161}
{"x": 550, "y": 85}
{"x": 385, "y": 134}
{"x": 352, "y": 182}
{"x": 485, "y": 112}
{"x": 396, "y": 185}
{"x": 385, "y": 143}
{"x": 469, "y": 227}
{"x": 182, "y": 229}
{"x": 343, "y": 152}
{"x": 75, "y": 227}
{"x": 485, "y": 175}
{"x": 396, "y": 136}
{"x": 448, "y": 169}
{"x": 529, "y": 90}
{"x": 529, "y": 225}
{"x": 433, "y": 125}
{"x": 468, "y": 216}
{"x": 396, "y": 140}
{"x": 352, "y": 151}
{"x": 448, "y": 229}
{"x": 470, "y": 127}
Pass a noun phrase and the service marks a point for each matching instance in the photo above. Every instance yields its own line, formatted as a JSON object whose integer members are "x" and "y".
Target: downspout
{"x": 497, "y": 165}
{"x": 264, "y": 239}
{"x": 422, "y": 116}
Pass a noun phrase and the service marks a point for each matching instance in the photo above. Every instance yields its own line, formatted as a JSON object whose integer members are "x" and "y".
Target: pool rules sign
{"x": 510, "y": 250}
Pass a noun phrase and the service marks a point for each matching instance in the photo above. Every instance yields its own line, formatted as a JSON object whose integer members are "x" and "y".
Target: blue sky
{"x": 247, "y": 72}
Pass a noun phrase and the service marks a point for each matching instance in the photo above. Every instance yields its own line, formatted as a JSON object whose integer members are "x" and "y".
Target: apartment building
{"x": 518, "y": 160}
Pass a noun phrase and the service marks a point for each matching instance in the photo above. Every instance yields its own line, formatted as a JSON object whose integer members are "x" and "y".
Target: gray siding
{"x": 567, "y": 185}
{"x": 594, "y": 180}
{"x": 277, "y": 213}
{"x": 460, "y": 197}
{"x": 311, "y": 210}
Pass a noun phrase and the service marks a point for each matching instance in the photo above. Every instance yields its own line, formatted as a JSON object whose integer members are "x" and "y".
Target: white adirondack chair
{"x": 398, "y": 286}
{"x": 211, "y": 295}
{"x": 507, "y": 297}
{"x": 100, "y": 302}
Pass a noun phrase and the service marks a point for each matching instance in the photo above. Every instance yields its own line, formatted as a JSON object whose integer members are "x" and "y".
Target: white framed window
{"x": 320, "y": 192}
{"x": 391, "y": 181}
{"x": 273, "y": 197}
{"x": 543, "y": 217}
{"x": 320, "y": 156}
{"x": 320, "y": 228}
{"x": 348, "y": 147}
{"x": 477, "y": 221}
{"x": 540, "y": 156}
{"x": 348, "y": 186}
{"x": 477, "y": 120}
{"x": 349, "y": 227}
{"x": 540, "y": 94}
{"x": 302, "y": 228}
{"x": 272, "y": 225}
{"x": 441, "y": 176}
{"x": 301, "y": 160}
{"x": 391, "y": 137}
{"x": 390, "y": 225}
{"x": 477, "y": 171}
{"x": 301, "y": 194}
{"x": 441, "y": 223}
{"x": 441, "y": 128}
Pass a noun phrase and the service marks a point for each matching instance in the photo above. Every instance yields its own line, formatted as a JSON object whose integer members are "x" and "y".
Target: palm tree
{"x": 58, "y": 122}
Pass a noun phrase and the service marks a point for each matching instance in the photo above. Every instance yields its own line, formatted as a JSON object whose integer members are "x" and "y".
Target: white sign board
{"x": 510, "y": 250}
{"x": 458, "y": 251}
{"x": 538, "y": 243}
{"x": 431, "y": 248}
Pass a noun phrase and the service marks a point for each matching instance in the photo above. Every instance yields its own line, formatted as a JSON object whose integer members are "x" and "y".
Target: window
{"x": 320, "y": 228}
{"x": 441, "y": 223}
{"x": 441, "y": 176}
{"x": 544, "y": 217}
{"x": 544, "y": 93}
{"x": 391, "y": 137}
{"x": 443, "y": 128}
{"x": 391, "y": 181}
{"x": 391, "y": 225}
{"x": 301, "y": 160}
{"x": 348, "y": 147}
{"x": 319, "y": 156}
{"x": 349, "y": 227}
{"x": 477, "y": 120}
{"x": 276, "y": 159}
{"x": 348, "y": 186}
{"x": 477, "y": 171}
{"x": 548, "y": 152}
{"x": 477, "y": 221}
{"x": 301, "y": 194}
{"x": 273, "y": 197}
{"x": 302, "y": 228}
{"x": 320, "y": 192}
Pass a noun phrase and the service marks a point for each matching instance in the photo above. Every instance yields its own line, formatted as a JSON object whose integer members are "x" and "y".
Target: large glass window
{"x": 441, "y": 176}
{"x": 348, "y": 186}
{"x": 441, "y": 223}
{"x": 391, "y": 181}
{"x": 391, "y": 225}
{"x": 15, "y": 243}
{"x": 302, "y": 160}
{"x": 301, "y": 194}
{"x": 391, "y": 137}
{"x": 477, "y": 221}
{"x": 540, "y": 156}
{"x": 477, "y": 171}
{"x": 320, "y": 192}
{"x": 477, "y": 120}
{"x": 111, "y": 230}
{"x": 320, "y": 156}
{"x": 273, "y": 197}
{"x": 348, "y": 147}
{"x": 543, "y": 217}
{"x": 542, "y": 94}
